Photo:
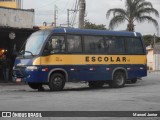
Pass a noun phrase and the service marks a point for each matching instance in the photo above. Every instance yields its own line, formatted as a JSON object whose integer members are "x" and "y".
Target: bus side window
{"x": 74, "y": 44}
{"x": 56, "y": 44}
{"x": 134, "y": 46}
{"x": 115, "y": 45}
{"x": 106, "y": 44}
{"x": 94, "y": 44}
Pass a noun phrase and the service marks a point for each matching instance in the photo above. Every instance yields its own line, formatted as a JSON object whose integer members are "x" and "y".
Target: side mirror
{"x": 21, "y": 52}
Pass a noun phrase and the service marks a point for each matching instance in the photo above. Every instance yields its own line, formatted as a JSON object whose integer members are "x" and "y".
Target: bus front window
{"x": 35, "y": 42}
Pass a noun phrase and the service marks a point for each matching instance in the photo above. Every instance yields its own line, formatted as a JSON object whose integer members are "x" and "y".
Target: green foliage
{"x": 135, "y": 10}
{"x": 89, "y": 25}
{"x": 149, "y": 40}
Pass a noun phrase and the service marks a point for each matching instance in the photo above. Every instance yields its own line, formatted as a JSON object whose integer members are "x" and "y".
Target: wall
{"x": 150, "y": 62}
{"x": 16, "y": 18}
{"x": 156, "y": 61}
{"x": 153, "y": 60}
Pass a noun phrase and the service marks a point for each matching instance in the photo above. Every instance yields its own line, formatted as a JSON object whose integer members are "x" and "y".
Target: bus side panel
{"x": 91, "y": 73}
{"x": 86, "y": 72}
{"x": 94, "y": 72}
{"x": 137, "y": 71}
{"x": 78, "y": 72}
{"x": 95, "y": 67}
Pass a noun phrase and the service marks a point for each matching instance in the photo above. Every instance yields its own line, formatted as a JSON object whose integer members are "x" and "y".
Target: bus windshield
{"x": 35, "y": 42}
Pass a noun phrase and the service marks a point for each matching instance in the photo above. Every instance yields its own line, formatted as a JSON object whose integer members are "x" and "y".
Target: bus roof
{"x": 95, "y": 32}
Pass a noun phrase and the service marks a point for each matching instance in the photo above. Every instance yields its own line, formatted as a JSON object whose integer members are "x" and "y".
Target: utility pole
{"x": 68, "y": 17}
{"x": 82, "y": 6}
{"x": 68, "y": 20}
{"x": 55, "y": 16}
{"x": 154, "y": 50}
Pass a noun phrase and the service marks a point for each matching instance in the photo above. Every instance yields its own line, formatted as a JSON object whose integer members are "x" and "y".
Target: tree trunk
{"x": 130, "y": 26}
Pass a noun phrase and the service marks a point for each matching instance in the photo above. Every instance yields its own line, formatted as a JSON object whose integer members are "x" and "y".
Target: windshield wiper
{"x": 23, "y": 52}
{"x": 29, "y": 52}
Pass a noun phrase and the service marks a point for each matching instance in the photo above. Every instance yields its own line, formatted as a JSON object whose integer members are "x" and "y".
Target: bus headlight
{"x": 31, "y": 68}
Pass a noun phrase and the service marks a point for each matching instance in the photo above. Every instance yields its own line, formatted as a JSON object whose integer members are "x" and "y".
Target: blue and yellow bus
{"x": 55, "y": 56}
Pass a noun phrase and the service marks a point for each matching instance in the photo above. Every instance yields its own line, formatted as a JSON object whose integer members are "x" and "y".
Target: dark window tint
{"x": 94, "y": 44}
{"x": 57, "y": 44}
{"x": 114, "y": 45}
{"x": 134, "y": 46}
{"x": 74, "y": 43}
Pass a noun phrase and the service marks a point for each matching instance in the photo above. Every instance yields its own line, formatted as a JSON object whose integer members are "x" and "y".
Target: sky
{"x": 95, "y": 12}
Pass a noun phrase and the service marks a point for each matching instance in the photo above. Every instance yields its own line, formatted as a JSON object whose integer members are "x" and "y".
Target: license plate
{"x": 18, "y": 80}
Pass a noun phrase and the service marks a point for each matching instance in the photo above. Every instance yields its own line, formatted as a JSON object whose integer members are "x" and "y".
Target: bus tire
{"x": 35, "y": 85}
{"x": 56, "y": 82}
{"x": 133, "y": 81}
{"x": 119, "y": 80}
{"x": 95, "y": 84}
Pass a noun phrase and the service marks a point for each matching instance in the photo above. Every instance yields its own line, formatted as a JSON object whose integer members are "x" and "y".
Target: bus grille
{"x": 19, "y": 71}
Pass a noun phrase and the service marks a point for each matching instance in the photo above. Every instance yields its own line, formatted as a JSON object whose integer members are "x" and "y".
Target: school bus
{"x": 55, "y": 56}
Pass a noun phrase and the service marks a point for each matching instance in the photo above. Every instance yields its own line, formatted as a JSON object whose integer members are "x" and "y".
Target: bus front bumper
{"x": 27, "y": 74}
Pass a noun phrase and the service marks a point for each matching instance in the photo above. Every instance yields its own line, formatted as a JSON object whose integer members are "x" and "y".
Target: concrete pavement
{"x": 142, "y": 96}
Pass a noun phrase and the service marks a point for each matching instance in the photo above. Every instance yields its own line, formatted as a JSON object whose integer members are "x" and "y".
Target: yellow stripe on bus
{"x": 89, "y": 59}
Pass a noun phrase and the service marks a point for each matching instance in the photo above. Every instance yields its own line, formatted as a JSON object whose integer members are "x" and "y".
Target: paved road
{"x": 142, "y": 96}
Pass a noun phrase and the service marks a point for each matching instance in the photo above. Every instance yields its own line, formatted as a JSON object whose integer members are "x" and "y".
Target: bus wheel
{"x": 118, "y": 81}
{"x": 35, "y": 85}
{"x": 133, "y": 81}
{"x": 96, "y": 84}
{"x": 56, "y": 82}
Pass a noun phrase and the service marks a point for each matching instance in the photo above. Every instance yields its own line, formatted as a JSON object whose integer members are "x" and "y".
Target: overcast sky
{"x": 95, "y": 12}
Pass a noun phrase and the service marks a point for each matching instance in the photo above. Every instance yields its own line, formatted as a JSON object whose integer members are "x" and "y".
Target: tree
{"x": 149, "y": 40}
{"x": 89, "y": 25}
{"x": 135, "y": 10}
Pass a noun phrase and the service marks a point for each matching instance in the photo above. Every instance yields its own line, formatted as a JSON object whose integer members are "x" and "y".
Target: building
{"x": 15, "y": 27}
{"x": 11, "y": 3}
{"x": 153, "y": 57}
